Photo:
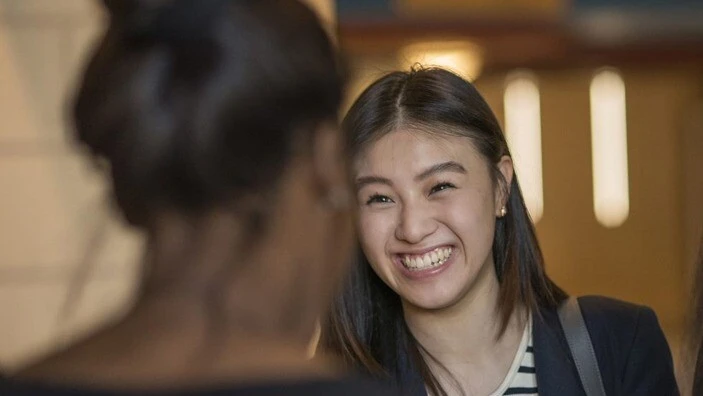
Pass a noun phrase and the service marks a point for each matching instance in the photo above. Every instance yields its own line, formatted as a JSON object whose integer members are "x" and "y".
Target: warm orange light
{"x": 523, "y": 130}
{"x": 461, "y": 57}
{"x": 611, "y": 198}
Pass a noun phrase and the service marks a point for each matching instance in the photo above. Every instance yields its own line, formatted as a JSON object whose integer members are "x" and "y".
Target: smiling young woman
{"x": 450, "y": 295}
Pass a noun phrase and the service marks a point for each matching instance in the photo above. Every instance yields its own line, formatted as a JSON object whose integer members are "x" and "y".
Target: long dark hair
{"x": 367, "y": 327}
{"x": 198, "y": 103}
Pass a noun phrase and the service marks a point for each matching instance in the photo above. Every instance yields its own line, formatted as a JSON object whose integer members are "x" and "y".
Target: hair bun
{"x": 164, "y": 20}
{"x": 177, "y": 99}
{"x": 120, "y": 10}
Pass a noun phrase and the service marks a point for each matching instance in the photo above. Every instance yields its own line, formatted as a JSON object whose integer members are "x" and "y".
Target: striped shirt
{"x": 521, "y": 378}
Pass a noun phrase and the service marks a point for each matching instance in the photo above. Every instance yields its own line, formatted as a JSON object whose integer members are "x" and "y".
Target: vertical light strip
{"x": 611, "y": 198}
{"x": 523, "y": 130}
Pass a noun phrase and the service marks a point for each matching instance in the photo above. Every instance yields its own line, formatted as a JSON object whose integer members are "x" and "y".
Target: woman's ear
{"x": 502, "y": 194}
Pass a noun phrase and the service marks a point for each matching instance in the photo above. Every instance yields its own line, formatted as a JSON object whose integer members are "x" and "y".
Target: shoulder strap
{"x": 581, "y": 347}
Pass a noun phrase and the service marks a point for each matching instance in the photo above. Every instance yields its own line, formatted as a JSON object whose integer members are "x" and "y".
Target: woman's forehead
{"x": 407, "y": 150}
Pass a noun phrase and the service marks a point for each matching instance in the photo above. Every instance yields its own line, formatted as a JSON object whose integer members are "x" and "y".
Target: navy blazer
{"x": 632, "y": 353}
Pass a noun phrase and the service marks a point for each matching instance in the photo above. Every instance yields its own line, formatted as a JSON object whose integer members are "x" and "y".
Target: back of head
{"x": 214, "y": 117}
{"x": 197, "y": 103}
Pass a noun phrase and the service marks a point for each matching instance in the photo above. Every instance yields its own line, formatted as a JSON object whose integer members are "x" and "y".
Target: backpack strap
{"x": 581, "y": 347}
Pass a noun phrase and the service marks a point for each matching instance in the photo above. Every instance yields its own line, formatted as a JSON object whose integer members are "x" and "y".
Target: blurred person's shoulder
{"x": 341, "y": 387}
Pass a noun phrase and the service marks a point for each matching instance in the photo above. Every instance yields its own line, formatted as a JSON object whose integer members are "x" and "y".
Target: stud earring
{"x": 503, "y": 211}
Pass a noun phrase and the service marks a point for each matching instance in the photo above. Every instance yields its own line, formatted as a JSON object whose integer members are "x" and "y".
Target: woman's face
{"x": 427, "y": 213}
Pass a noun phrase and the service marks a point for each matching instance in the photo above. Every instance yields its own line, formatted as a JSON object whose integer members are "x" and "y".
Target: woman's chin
{"x": 429, "y": 300}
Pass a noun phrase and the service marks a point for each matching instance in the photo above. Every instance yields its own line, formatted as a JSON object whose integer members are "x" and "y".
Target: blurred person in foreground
{"x": 217, "y": 120}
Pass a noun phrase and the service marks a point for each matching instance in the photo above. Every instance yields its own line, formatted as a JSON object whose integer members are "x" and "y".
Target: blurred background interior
{"x": 601, "y": 100}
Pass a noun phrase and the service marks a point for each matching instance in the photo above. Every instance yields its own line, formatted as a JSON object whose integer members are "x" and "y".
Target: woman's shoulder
{"x": 630, "y": 347}
{"x": 611, "y": 308}
{"x": 614, "y": 326}
{"x": 628, "y": 339}
{"x": 617, "y": 316}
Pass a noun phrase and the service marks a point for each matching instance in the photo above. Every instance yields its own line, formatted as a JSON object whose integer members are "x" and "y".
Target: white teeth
{"x": 427, "y": 260}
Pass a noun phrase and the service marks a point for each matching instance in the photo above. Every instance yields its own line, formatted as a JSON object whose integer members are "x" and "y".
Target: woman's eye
{"x": 441, "y": 187}
{"x": 377, "y": 198}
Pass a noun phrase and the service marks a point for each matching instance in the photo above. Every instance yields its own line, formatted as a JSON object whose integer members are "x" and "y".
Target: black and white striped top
{"x": 521, "y": 378}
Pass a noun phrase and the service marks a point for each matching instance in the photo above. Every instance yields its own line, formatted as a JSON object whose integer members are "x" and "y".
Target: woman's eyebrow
{"x": 449, "y": 166}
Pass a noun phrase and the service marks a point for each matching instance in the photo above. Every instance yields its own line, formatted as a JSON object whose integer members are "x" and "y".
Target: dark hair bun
{"x": 197, "y": 102}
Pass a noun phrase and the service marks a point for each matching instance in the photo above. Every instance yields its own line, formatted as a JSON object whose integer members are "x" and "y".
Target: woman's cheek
{"x": 374, "y": 230}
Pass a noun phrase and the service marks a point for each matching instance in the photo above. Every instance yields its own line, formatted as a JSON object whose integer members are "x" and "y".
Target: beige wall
{"x": 51, "y": 207}
{"x": 645, "y": 259}
{"x": 692, "y": 144}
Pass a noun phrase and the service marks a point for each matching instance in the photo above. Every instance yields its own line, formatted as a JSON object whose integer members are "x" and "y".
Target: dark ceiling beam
{"x": 520, "y": 43}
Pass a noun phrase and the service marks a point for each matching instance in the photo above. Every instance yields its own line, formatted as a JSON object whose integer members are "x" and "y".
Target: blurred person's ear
{"x": 314, "y": 340}
{"x": 330, "y": 165}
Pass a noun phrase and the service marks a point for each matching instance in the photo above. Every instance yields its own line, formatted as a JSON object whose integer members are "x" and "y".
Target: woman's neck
{"x": 463, "y": 339}
{"x": 239, "y": 284}
{"x": 206, "y": 313}
{"x": 171, "y": 342}
{"x": 467, "y": 328}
